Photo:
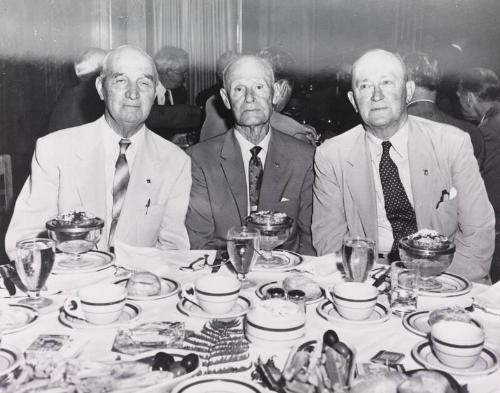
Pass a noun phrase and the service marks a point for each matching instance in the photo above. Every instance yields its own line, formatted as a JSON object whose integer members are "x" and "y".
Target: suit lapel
{"x": 359, "y": 176}
{"x": 233, "y": 169}
{"x": 422, "y": 170}
{"x": 273, "y": 182}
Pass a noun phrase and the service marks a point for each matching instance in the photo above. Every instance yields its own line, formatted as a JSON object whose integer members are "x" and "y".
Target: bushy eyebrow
{"x": 118, "y": 74}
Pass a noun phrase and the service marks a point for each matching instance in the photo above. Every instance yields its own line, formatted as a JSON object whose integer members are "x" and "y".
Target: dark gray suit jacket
{"x": 219, "y": 191}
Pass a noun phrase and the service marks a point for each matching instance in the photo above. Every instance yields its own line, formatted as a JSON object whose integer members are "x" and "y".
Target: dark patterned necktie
{"x": 398, "y": 208}
{"x": 120, "y": 183}
{"x": 255, "y": 172}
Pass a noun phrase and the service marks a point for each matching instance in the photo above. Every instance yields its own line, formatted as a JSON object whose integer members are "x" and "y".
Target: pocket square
{"x": 284, "y": 199}
{"x": 453, "y": 193}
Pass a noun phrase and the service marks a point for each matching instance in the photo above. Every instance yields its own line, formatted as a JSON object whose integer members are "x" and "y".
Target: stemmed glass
{"x": 242, "y": 246}
{"x": 34, "y": 262}
{"x": 358, "y": 254}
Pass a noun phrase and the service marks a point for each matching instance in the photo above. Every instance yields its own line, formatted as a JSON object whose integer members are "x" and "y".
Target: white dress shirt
{"x": 111, "y": 141}
{"x": 399, "y": 154}
{"x": 245, "y": 147}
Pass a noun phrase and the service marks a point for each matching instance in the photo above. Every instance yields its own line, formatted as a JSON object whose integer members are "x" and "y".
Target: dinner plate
{"x": 451, "y": 284}
{"x": 24, "y": 316}
{"x": 129, "y": 314}
{"x": 418, "y": 323}
{"x": 169, "y": 287}
{"x": 261, "y": 292}
{"x": 218, "y": 384}
{"x": 11, "y": 357}
{"x": 91, "y": 261}
{"x": 241, "y": 307}
{"x": 485, "y": 364}
{"x": 290, "y": 260}
{"x": 327, "y": 311}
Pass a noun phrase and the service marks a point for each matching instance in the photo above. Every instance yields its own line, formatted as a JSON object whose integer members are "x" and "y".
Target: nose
{"x": 132, "y": 92}
{"x": 249, "y": 95}
{"x": 377, "y": 94}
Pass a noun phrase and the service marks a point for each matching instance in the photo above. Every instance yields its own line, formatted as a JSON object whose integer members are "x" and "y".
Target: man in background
{"x": 424, "y": 72}
{"x": 80, "y": 104}
{"x": 114, "y": 167}
{"x": 251, "y": 167}
{"x": 396, "y": 174}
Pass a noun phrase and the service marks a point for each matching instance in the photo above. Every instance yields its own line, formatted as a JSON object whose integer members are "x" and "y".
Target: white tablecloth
{"x": 367, "y": 340}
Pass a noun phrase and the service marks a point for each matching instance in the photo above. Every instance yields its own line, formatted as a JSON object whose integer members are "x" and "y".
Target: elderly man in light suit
{"x": 78, "y": 168}
{"x": 221, "y": 195}
{"x": 434, "y": 179}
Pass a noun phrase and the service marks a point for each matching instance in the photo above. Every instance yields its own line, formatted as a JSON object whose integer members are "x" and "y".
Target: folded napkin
{"x": 324, "y": 268}
{"x": 155, "y": 260}
{"x": 490, "y": 298}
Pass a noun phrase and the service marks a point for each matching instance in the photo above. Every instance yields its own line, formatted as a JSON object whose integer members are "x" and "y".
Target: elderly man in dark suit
{"x": 250, "y": 167}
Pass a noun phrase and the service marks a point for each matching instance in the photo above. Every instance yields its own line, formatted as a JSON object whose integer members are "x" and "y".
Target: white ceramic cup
{"x": 457, "y": 344}
{"x": 216, "y": 294}
{"x": 354, "y": 300}
{"x": 98, "y": 304}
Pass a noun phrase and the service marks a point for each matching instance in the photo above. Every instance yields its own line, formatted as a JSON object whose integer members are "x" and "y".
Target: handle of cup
{"x": 188, "y": 291}
{"x": 328, "y": 294}
{"x": 73, "y": 307}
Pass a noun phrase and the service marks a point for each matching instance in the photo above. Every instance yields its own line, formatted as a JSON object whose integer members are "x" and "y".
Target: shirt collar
{"x": 111, "y": 138}
{"x": 246, "y": 145}
{"x": 399, "y": 142}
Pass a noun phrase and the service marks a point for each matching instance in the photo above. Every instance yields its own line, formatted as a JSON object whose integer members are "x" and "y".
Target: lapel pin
{"x": 426, "y": 172}
{"x": 277, "y": 164}
{"x": 148, "y": 181}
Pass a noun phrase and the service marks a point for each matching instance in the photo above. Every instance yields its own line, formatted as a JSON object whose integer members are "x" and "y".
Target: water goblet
{"x": 242, "y": 246}
{"x": 34, "y": 261}
{"x": 358, "y": 254}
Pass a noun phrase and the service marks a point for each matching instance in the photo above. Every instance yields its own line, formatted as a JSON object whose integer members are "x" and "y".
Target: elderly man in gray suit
{"x": 250, "y": 167}
{"x": 114, "y": 167}
{"x": 396, "y": 174}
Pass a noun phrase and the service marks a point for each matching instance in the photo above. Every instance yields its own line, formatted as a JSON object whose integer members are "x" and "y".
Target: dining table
{"x": 367, "y": 339}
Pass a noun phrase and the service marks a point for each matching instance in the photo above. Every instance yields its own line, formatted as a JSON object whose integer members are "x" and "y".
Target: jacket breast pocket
{"x": 447, "y": 214}
{"x": 149, "y": 222}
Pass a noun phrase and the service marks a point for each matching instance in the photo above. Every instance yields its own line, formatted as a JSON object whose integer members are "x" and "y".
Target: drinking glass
{"x": 358, "y": 254}
{"x": 242, "y": 246}
{"x": 34, "y": 262}
{"x": 405, "y": 278}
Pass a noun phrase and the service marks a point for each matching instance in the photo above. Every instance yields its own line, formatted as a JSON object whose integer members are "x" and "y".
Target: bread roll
{"x": 304, "y": 283}
{"x": 144, "y": 284}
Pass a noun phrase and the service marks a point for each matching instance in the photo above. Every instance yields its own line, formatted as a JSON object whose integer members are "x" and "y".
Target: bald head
{"x": 248, "y": 65}
{"x": 125, "y": 53}
{"x": 89, "y": 62}
{"x": 380, "y": 92}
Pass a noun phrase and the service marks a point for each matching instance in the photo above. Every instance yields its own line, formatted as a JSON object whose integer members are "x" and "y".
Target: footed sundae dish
{"x": 75, "y": 232}
{"x": 274, "y": 228}
{"x": 433, "y": 253}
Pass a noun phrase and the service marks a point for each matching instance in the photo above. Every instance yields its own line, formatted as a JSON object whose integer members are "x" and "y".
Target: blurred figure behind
{"x": 479, "y": 94}
{"x": 80, "y": 104}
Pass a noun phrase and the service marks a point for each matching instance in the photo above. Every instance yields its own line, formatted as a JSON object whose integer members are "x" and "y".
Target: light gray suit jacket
{"x": 219, "y": 192}
{"x": 67, "y": 173}
{"x": 441, "y": 158}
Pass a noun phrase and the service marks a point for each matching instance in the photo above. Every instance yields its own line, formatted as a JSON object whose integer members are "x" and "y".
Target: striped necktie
{"x": 120, "y": 183}
{"x": 398, "y": 208}
{"x": 255, "y": 172}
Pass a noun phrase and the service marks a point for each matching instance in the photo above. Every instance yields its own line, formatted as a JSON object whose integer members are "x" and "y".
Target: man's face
{"x": 379, "y": 90}
{"x": 249, "y": 92}
{"x": 128, "y": 89}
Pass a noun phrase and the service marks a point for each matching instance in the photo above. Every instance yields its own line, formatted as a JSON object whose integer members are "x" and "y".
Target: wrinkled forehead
{"x": 129, "y": 61}
{"x": 249, "y": 68}
{"x": 376, "y": 64}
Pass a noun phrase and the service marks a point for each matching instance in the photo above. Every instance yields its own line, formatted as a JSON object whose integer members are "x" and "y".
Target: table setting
{"x": 252, "y": 318}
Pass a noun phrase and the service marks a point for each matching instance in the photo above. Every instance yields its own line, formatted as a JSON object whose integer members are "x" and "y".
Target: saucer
{"x": 130, "y": 313}
{"x": 485, "y": 364}
{"x": 418, "y": 323}
{"x": 290, "y": 260}
{"x": 11, "y": 357}
{"x": 261, "y": 292}
{"x": 239, "y": 309}
{"x": 89, "y": 262}
{"x": 169, "y": 287}
{"x": 25, "y": 316}
{"x": 327, "y": 311}
{"x": 218, "y": 383}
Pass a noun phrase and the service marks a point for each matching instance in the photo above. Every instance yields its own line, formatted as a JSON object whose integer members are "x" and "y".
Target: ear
{"x": 277, "y": 92}
{"x": 410, "y": 89}
{"x": 98, "y": 85}
{"x": 225, "y": 98}
{"x": 350, "y": 96}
